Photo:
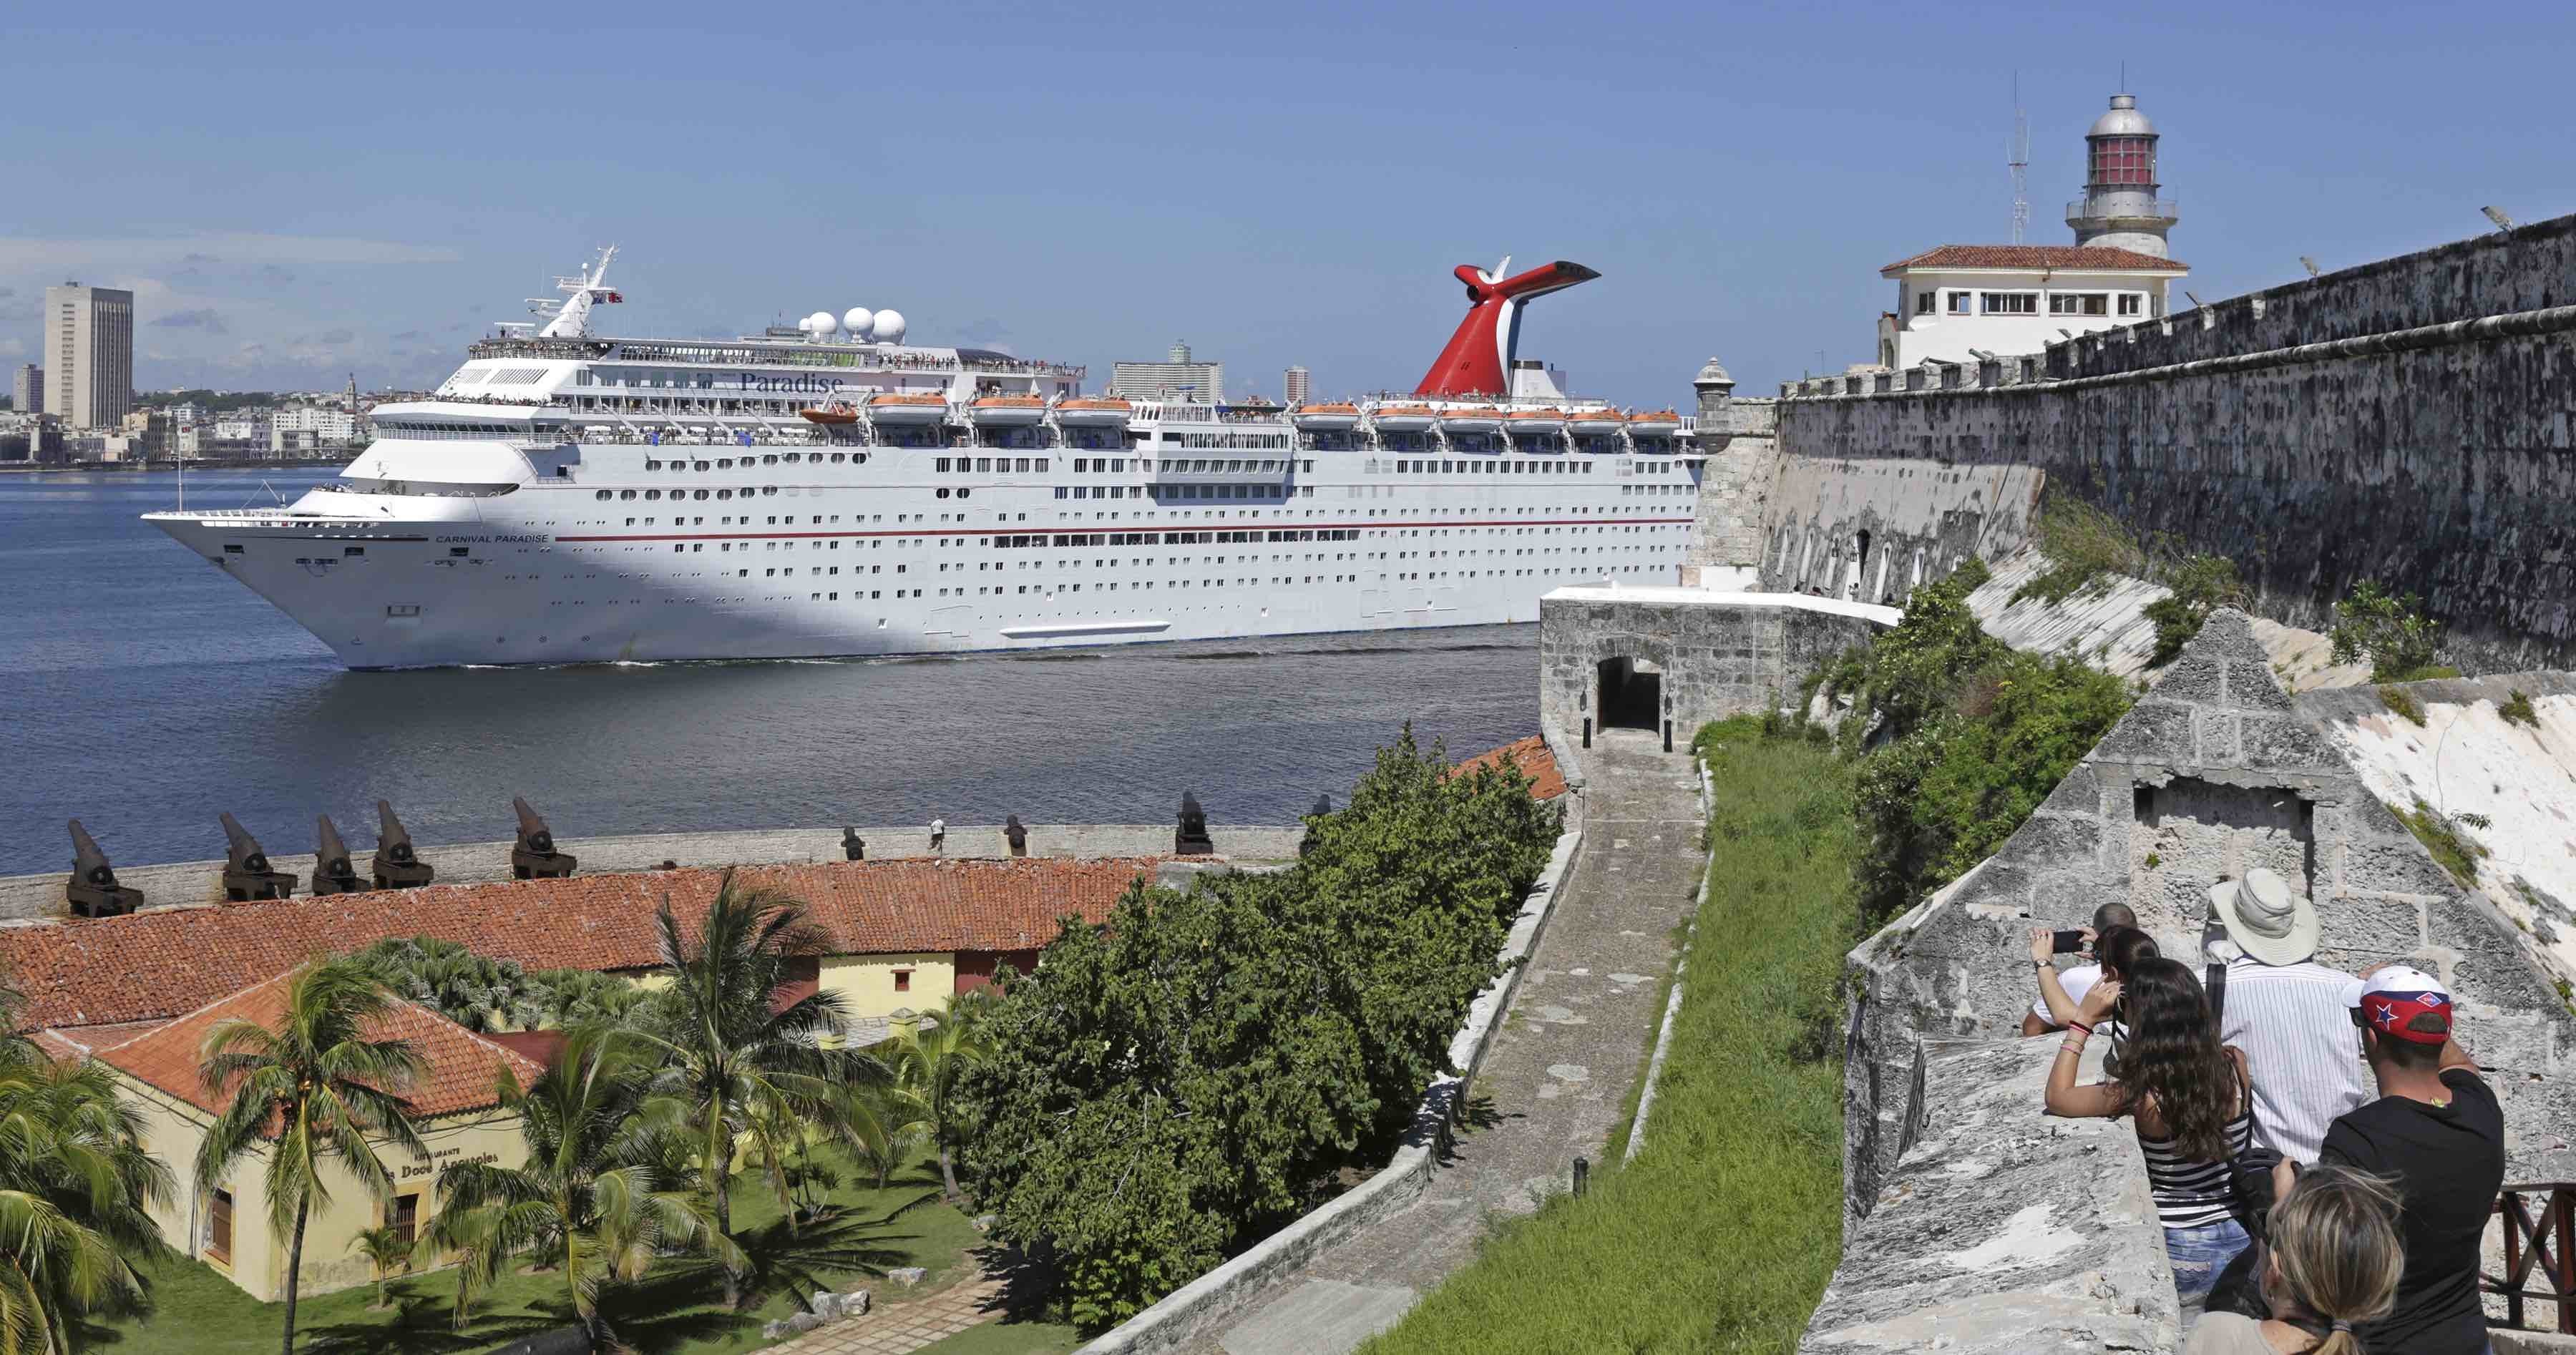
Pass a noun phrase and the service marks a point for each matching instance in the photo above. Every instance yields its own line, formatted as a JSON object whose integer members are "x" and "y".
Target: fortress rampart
{"x": 2407, "y": 420}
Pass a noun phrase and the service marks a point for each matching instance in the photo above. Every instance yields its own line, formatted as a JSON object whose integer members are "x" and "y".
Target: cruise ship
{"x": 828, "y": 489}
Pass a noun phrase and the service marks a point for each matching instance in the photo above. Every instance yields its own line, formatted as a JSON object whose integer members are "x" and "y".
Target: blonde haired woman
{"x": 2333, "y": 1264}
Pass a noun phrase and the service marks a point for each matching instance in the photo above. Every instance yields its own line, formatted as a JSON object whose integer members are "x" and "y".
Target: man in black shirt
{"x": 2437, "y": 1132}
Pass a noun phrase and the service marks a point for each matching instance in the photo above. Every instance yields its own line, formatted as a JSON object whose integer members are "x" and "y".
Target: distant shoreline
{"x": 168, "y": 467}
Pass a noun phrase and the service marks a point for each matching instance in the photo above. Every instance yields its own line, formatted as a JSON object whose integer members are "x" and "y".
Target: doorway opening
{"x": 1632, "y": 694}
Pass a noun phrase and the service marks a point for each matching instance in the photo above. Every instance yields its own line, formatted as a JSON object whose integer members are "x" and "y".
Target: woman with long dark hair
{"x": 2186, "y": 1094}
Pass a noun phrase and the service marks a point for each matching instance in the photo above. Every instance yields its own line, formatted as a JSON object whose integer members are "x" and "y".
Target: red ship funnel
{"x": 1478, "y": 360}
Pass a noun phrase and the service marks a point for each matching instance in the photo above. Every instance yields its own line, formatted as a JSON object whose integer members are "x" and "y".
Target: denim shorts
{"x": 2198, "y": 1255}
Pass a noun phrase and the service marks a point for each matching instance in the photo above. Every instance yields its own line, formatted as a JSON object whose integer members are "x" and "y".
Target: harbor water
{"x": 147, "y": 692}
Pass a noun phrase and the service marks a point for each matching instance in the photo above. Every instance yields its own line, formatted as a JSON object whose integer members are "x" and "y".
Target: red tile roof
{"x": 2061, "y": 257}
{"x": 1535, "y": 762}
{"x": 161, "y": 962}
{"x": 459, "y": 1068}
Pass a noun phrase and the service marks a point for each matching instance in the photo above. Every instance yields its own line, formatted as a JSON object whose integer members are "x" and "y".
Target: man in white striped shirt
{"x": 2286, "y": 1012}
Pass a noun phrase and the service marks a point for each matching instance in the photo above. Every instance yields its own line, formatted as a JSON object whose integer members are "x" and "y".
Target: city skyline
{"x": 1747, "y": 217}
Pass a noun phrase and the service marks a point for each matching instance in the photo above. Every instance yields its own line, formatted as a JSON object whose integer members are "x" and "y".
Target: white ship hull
{"x": 549, "y": 573}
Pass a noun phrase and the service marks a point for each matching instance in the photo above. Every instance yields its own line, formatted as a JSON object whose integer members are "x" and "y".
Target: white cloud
{"x": 21, "y": 256}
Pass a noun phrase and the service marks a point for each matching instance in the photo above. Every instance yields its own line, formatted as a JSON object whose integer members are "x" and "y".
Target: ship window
{"x": 460, "y": 550}
{"x": 962, "y": 494}
{"x": 599, "y": 494}
{"x": 236, "y": 550}
{"x": 724, "y": 463}
{"x": 626, "y": 494}
{"x": 943, "y": 493}
{"x": 652, "y": 493}
{"x": 836, "y": 458}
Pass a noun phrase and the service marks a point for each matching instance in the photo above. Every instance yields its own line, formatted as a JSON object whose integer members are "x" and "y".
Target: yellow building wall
{"x": 865, "y": 983}
{"x": 174, "y": 1131}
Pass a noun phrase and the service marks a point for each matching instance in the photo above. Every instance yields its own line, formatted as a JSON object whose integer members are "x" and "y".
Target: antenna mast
{"x": 2017, "y": 157}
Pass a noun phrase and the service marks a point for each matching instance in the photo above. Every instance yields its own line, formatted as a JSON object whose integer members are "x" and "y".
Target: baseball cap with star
{"x": 2398, "y": 1000}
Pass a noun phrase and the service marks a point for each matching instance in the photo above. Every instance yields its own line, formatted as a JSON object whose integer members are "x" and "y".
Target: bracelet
{"x": 2078, "y": 1025}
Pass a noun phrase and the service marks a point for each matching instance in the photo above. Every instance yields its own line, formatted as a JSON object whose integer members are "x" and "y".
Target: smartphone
{"x": 2069, "y": 942}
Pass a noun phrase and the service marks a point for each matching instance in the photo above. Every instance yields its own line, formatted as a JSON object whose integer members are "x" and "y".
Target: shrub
{"x": 2440, "y": 834}
{"x": 2084, "y": 546}
{"x": 2401, "y": 704}
{"x": 2517, "y": 710}
{"x": 2403, "y": 644}
{"x": 2201, "y": 584}
{"x": 1168, "y": 1086}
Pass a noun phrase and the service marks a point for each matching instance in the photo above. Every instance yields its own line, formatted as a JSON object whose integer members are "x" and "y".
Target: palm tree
{"x": 385, "y": 1247}
{"x": 587, "y": 1201}
{"x": 738, "y": 1068}
{"x": 926, "y": 1068}
{"x": 314, "y": 1088}
{"x": 74, "y": 1184}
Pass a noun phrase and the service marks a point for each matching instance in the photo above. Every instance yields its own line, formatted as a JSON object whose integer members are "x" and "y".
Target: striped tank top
{"x": 2197, "y": 1194}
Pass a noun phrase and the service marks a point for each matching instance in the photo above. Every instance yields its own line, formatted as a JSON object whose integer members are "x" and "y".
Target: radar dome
{"x": 889, "y": 326}
{"x": 822, "y": 323}
{"x": 856, "y": 320}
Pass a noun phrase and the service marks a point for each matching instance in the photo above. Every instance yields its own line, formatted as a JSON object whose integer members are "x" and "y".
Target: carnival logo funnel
{"x": 1478, "y": 360}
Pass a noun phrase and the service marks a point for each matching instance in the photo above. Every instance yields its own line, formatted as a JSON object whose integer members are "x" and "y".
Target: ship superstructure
{"x": 829, "y": 489}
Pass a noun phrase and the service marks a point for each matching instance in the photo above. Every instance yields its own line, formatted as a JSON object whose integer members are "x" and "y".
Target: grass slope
{"x": 1723, "y": 1232}
{"x": 677, "y": 1310}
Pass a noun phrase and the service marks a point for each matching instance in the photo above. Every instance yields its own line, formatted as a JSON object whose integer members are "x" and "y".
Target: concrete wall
{"x": 25, "y": 896}
{"x": 1718, "y": 654}
{"x": 866, "y": 983}
{"x": 2355, "y": 425}
{"x": 2211, "y": 773}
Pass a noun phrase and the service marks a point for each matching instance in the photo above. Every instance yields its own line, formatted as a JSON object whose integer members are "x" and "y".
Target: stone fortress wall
{"x": 2407, "y": 420}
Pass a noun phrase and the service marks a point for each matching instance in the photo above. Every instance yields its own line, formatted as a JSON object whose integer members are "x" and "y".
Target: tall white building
{"x": 27, "y": 393}
{"x": 1957, "y": 301}
{"x": 1181, "y": 376}
{"x": 89, "y": 354}
{"x": 1300, "y": 385}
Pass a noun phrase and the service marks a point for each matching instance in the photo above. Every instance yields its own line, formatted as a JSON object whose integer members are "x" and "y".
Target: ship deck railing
{"x": 783, "y": 354}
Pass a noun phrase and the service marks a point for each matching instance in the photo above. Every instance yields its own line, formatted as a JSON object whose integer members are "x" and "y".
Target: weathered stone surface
{"x": 2283, "y": 741}
{"x": 2002, "y": 1230}
{"x": 2154, "y": 730}
{"x": 905, "y": 1275}
{"x": 1716, "y": 654}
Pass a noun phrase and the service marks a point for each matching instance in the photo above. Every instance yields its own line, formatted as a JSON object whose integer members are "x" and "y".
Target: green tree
{"x": 74, "y": 1186}
{"x": 2403, "y": 644}
{"x": 314, "y": 1088}
{"x": 385, "y": 1248}
{"x": 587, "y": 1201}
{"x": 926, "y": 1067}
{"x": 738, "y": 1069}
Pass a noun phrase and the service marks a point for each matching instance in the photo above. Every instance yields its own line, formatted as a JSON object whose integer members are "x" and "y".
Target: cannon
{"x": 1191, "y": 837}
{"x": 247, "y": 876}
{"x": 533, "y": 856}
{"x": 853, "y": 846}
{"x": 397, "y": 866}
{"x": 332, "y": 873}
{"x": 93, "y": 891}
{"x": 1018, "y": 835}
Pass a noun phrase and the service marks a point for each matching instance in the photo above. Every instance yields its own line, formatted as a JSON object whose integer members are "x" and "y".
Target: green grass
{"x": 677, "y": 1310}
{"x": 1723, "y": 1232}
{"x": 2457, "y": 853}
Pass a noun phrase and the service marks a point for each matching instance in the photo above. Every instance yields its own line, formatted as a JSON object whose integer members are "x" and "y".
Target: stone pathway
{"x": 900, "y": 1328}
{"x": 1556, "y": 1077}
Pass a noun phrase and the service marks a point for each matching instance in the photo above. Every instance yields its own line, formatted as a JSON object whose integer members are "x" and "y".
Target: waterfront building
{"x": 1180, "y": 378}
{"x": 1299, "y": 386}
{"x": 27, "y": 393}
{"x": 89, "y": 354}
{"x": 1955, "y": 302}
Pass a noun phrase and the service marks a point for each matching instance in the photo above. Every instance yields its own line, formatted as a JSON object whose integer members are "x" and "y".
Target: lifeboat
{"x": 910, "y": 407}
{"x": 1325, "y": 418}
{"x": 1595, "y": 422}
{"x": 1547, "y": 421}
{"x": 837, "y": 413}
{"x": 1093, "y": 412}
{"x": 1663, "y": 421}
{"x": 1405, "y": 418}
{"x": 1471, "y": 419}
{"x": 1007, "y": 411}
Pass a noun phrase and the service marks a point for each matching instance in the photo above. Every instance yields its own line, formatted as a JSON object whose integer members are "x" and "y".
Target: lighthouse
{"x": 2120, "y": 207}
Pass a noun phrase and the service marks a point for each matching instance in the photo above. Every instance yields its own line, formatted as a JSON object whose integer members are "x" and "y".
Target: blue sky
{"x": 297, "y": 192}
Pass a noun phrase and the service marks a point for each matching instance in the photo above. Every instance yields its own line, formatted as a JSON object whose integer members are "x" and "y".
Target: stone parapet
{"x": 2000, "y": 1229}
{"x": 1713, "y": 653}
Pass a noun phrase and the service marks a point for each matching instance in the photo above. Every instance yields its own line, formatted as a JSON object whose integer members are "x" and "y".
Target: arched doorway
{"x": 1632, "y": 694}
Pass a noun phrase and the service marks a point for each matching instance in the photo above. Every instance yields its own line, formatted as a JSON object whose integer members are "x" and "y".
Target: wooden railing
{"x": 2539, "y": 1236}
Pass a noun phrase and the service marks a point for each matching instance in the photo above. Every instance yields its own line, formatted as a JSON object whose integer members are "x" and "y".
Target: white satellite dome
{"x": 856, "y": 320}
{"x": 889, "y": 326}
{"x": 821, "y": 323}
